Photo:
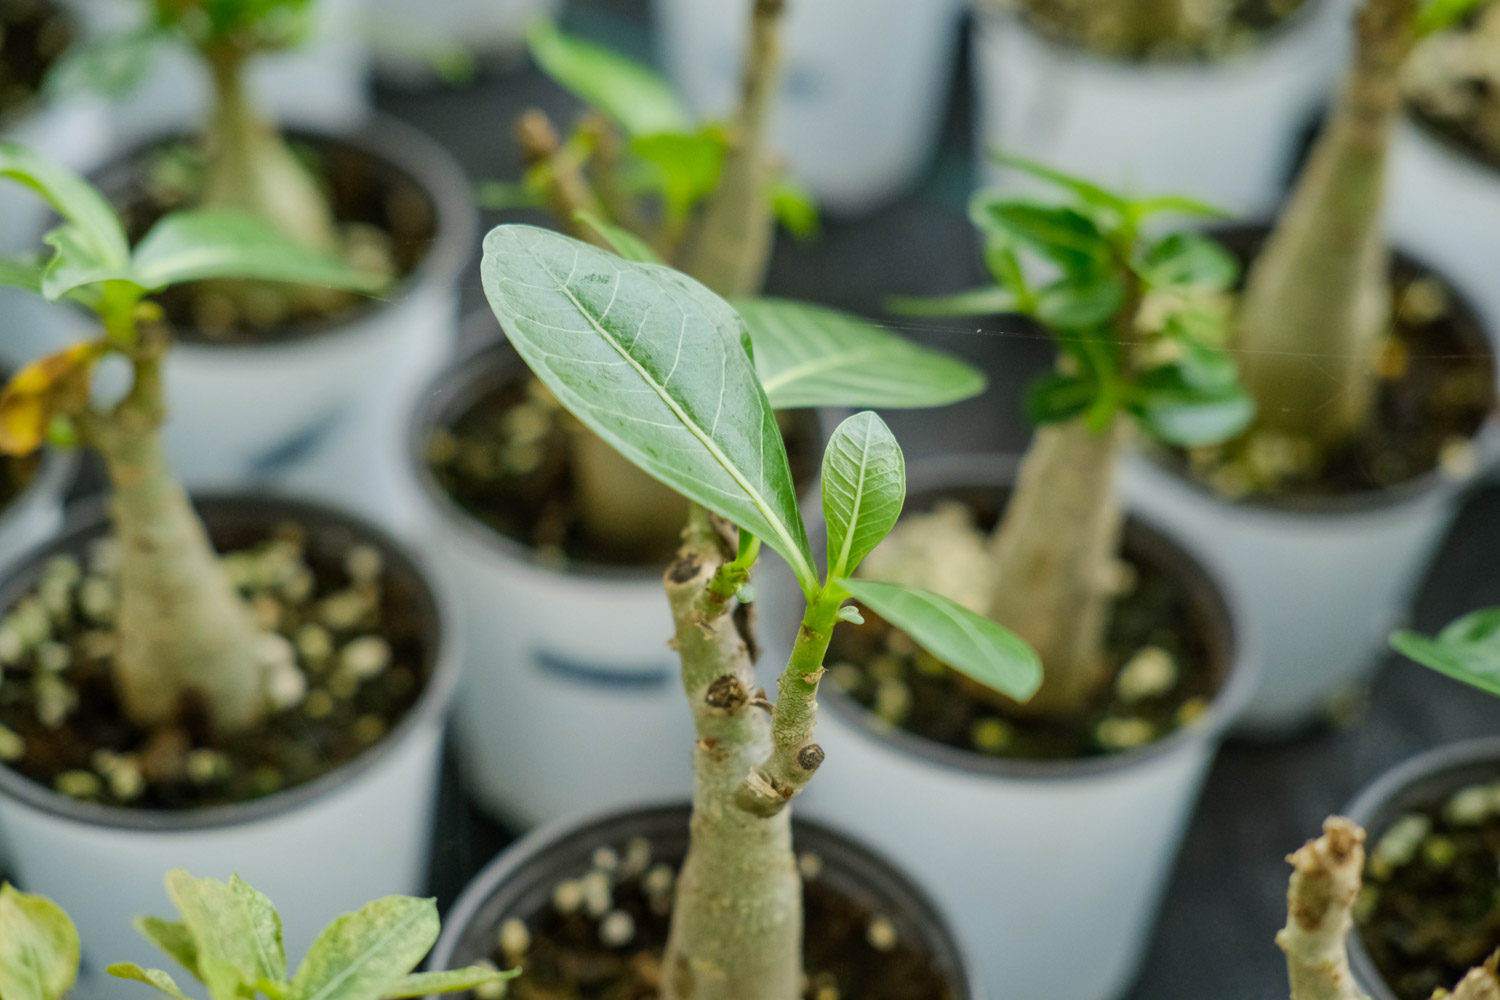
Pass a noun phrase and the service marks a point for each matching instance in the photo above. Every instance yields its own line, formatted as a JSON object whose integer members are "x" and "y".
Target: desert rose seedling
{"x": 183, "y": 632}
{"x": 660, "y": 368}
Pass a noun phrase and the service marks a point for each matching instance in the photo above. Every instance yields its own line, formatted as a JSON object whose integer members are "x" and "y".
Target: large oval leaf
{"x": 864, "y": 488}
{"x": 629, "y": 92}
{"x": 812, "y": 356}
{"x": 656, "y": 365}
{"x": 969, "y": 643}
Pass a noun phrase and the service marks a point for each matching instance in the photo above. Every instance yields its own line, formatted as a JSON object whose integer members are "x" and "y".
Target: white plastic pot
{"x": 409, "y": 33}
{"x": 323, "y": 83}
{"x": 866, "y": 85}
{"x": 1445, "y": 205}
{"x": 1051, "y": 871}
{"x": 1225, "y": 132}
{"x": 324, "y": 411}
{"x": 318, "y": 850}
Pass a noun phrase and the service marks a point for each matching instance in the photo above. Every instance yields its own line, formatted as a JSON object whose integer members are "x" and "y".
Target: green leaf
{"x": 627, "y": 91}
{"x": 987, "y": 301}
{"x": 235, "y": 928}
{"x": 1190, "y": 259}
{"x": 1086, "y": 191}
{"x": 813, "y": 356}
{"x": 22, "y": 274}
{"x": 193, "y": 246}
{"x": 969, "y": 643}
{"x": 1175, "y": 204}
{"x": 421, "y": 984}
{"x": 97, "y": 239}
{"x": 38, "y": 947}
{"x": 112, "y": 65}
{"x": 1475, "y": 661}
{"x": 793, "y": 206}
{"x": 864, "y": 488}
{"x": 363, "y": 955}
{"x": 151, "y": 977}
{"x": 1055, "y": 398}
{"x": 1179, "y": 414}
{"x": 172, "y": 937}
{"x": 687, "y": 165}
{"x": 502, "y": 196}
{"x": 1435, "y": 15}
{"x": 1086, "y": 304}
{"x": 657, "y": 366}
{"x": 1063, "y": 235}
{"x": 74, "y": 265}
{"x": 625, "y": 243}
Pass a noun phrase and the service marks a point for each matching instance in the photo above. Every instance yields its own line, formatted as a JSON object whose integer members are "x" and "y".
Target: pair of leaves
{"x": 229, "y": 938}
{"x": 661, "y": 369}
{"x": 90, "y": 247}
{"x": 39, "y": 947}
{"x": 1467, "y": 650}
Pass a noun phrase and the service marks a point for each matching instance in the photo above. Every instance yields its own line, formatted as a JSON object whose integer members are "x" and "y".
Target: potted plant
{"x": 542, "y": 521}
{"x": 341, "y": 369}
{"x": 1375, "y": 388}
{"x": 1445, "y": 189}
{"x": 858, "y": 123}
{"x": 1178, "y": 96}
{"x": 160, "y": 701}
{"x": 1141, "y": 664}
{"x": 229, "y": 939}
{"x": 683, "y": 401}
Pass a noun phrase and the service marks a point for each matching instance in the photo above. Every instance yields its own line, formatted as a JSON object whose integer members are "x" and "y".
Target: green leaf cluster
{"x": 662, "y": 370}
{"x": 1141, "y": 320}
{"x": 38, "y": 947}
{"x": 1467, "y": 650}
{"x": 228, "y": 937}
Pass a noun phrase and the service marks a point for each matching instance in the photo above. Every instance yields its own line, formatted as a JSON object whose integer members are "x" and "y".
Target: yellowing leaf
{"x": 52, "y": 386}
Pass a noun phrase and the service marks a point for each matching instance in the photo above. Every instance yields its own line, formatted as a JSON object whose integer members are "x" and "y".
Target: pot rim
{"x": 89, "y": 519}
{"x": 896, "y": 885}
{"x": 490, "y": 357}
{"x": 932, "y": 475}
{"x": 1485, "y": 440}
{"x": 1276, "y": 39}
{"x": 1450, "y": 152}
{"x": 1383, "y": 790}
{"x": 408, "y": 151}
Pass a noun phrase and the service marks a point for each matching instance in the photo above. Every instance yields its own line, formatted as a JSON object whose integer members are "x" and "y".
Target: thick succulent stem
{"x": 733, "y": 243}
{"x": 1054, "y": 552}
{"x": 1320, "y": 901}
{"x": 620, "y": 507}
{"x": 737, "y": 921}
{"x": 250, "y": 167}
{"x": 186, "y": 639}
{"x": 1480, "y": 984}
{"x": 1315, "y": 305}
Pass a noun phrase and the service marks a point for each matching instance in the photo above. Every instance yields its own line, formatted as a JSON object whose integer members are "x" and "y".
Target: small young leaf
{"x": 864, "y": 488}
{"x": 98, "y": 239}
{"x": 627, "y": 91}
{"x": 1063, "y": 235}
{"x": 1055, "y": 398}
{"x": 1467, "y": 650}
{"x": 421, "y": 984}
{"x": 625, "y": 243}
{"x": 969, "y": 643}
{"x": 112, "y": 65}
{"x": 1435, "y": 15}
{"x": 501, "y": 196}
{"x": 1080, "y": 304}
{"x": 38, "y": 947}
{"x": 364, "y": 954}
{"x": 1190, "y": 259}
{"x": 809, "y": 355}
{"x": 193, "y": 246}
{"x": 151, "y": 977}
{"x": 1175, "y": 204}
{"x": 172, "y": 937}
{"x": 987, "y": 301}
{"x": 658, "y": 367}
{"x": 1178, "y": 414}
{"x": 793, "y": 206}
{"x": 75, "y": 264}
{"x": 235, "y": 928}
{"x": 687, "y": 165}
{"x": 1089, "y": 193}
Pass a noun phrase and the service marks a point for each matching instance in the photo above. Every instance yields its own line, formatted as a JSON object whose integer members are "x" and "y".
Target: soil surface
{"x": 508, "y": 458}
{"x": 33, "y": 34}
{"x": 387, "y": 224}
{"x": 1223, "y": 28}
{"x": 1453, "y": 84}
{"x": 1158, "y": 678}
{"x": 1436, "y": 389}
{"x": 604, "y": 934}
{"x": 1428, "y": 910}
{"x": 348, "y": 634}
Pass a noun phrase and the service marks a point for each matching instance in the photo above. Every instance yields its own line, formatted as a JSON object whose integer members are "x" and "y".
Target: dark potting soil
{"x": 1453, "y": 85}
{"x": 1239, "y": 27}
{"x": 1428, "y": 911}
{"x": 604, "y": 934}
{"x": 33, "y": 35}
{"x": 1158, "y": 678}
{"x": 345, "y": 636}
{"x": 508, "y": 459}
{"x": 387, "y": 223}
{"x": 1436, "y": 388}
